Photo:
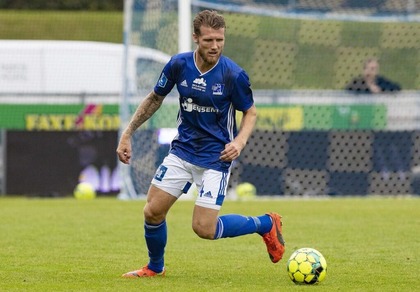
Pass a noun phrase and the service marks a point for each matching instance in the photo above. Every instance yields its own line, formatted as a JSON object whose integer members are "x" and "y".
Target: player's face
{"x": 371, "y": 69}
{"x": 209, "y": 45}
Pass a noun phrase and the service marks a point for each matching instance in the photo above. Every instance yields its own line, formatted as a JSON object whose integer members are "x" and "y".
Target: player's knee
{"x": 152, "y": 216}
{"x": 203, "y": 231}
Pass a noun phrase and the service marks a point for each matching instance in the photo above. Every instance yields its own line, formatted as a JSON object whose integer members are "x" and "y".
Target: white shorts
{"x": 175, "y": 176}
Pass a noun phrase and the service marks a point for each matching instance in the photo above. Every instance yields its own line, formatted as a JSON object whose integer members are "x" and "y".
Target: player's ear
{"x": 195, "y": 38}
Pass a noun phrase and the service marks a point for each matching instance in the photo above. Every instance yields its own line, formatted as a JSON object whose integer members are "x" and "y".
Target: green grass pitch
{"x": 370, "y": 244}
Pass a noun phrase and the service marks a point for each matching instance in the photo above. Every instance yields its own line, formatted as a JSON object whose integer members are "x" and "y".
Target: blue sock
{"x": 156, "y": 237}
{"x": 236, "y": 225}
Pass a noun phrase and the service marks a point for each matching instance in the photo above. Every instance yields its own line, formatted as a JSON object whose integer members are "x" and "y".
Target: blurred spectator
{"x": 387, "y": 156}
{"x": 371, "y": 82}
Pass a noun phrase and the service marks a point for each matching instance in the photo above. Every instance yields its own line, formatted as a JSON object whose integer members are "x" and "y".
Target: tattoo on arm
{"x": 145, "y": 110}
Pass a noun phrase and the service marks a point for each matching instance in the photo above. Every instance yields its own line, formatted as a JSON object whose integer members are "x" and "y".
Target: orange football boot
{"x": 143, "y": 272}
{"x": 274, "y": 239}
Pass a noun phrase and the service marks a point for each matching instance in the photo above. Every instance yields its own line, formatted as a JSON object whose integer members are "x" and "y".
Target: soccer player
{"x": 211, "y": 87}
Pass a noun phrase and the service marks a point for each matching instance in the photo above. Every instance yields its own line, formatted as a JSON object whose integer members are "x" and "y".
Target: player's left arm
{"x": 233, "y": 149}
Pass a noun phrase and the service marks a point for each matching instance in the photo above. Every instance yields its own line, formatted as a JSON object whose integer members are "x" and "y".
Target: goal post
{"x": 141, "y": 68}
{"x": 184, "y": 24}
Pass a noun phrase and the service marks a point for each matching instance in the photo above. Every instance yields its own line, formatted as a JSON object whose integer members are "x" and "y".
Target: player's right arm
{"x": 144, "y": 111}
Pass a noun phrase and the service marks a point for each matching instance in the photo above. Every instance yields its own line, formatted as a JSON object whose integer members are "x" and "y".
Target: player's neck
{"x": 201, "y": 64}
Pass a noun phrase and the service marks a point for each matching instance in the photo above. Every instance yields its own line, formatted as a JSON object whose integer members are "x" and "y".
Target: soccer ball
{"x": 246, "y": 191}
{"x": 307, "y": 266}
{"x": 84, "y": 191}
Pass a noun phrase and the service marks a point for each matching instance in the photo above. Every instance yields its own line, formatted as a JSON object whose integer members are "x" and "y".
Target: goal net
{"x": 315, "y": 134}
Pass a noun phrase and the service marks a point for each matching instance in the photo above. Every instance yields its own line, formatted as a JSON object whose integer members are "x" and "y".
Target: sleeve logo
{"x": 162, "y": 80}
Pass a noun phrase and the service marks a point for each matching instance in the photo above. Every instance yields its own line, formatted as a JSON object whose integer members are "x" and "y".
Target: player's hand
{"x": 231, "y": 152}
{"x": 124, "y": 149}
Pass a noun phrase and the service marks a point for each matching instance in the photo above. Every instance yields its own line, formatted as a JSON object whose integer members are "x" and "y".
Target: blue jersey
{"x": 208, "y": 100}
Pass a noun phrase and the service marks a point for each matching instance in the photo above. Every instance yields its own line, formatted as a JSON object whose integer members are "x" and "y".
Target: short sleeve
{"x": 166, "y": 80}
{"x": 242, "y": 96}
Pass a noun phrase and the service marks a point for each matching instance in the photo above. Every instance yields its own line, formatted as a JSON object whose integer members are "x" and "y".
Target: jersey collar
{"x": 202, "y": 73}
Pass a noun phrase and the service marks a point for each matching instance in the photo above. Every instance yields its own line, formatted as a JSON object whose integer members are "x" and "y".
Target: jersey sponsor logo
{"x": 217, "y": 89}
{"x": 184, "y": 83}
{"x": 199, "y": 84}
{"x": 189, "y": 106}
{"x": 200, "y": 81}
{"x": 162, "y": 80}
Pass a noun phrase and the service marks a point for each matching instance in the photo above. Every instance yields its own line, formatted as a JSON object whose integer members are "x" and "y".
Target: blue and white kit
{"x": 208, "y": 100}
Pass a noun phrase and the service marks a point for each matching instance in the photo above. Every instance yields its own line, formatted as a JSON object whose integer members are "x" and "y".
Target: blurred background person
{"x": 371, "y": 82}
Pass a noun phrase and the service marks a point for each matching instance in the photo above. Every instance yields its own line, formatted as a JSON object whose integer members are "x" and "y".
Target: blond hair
{"x": 208, "y": 18}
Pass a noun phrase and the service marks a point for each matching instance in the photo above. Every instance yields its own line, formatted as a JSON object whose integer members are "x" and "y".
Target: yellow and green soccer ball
{"x": 246, "y": 191}
{"x": 84, "y": 191}
{"x": 307, "y": 266}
